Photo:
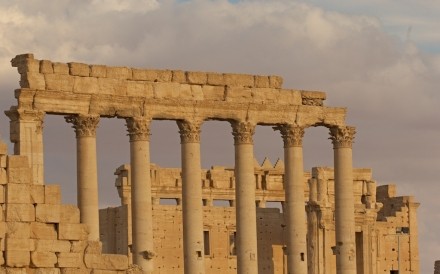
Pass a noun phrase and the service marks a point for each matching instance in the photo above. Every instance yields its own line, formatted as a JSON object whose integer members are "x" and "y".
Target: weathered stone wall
{"x": 382, "y": 239}
{"x": 437, "y": 267}
{"x": 38, "y": 234}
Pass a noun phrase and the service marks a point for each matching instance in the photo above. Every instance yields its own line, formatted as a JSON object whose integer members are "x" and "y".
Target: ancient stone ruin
{"x": 332, "y": 220}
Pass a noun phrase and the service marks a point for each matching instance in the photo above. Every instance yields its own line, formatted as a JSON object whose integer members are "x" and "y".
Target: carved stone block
{"x": 43, "y": 231}
{"x": 72, "y": 232}
{"x": 37, "y": 194}
{"x": 17, "y": 258}
{"x": 79, "y": 69}
{"x": 60, "y": 68}
{"x": 216, "y": 93}
{"x": 43, "y": 259}
{"x": 18, "y": 230}
{"x": 18, "y": 193}
{"x": 59, "y": 82}
{"x": 198, "y": 78}
{"x": 98, "y": 71}
{"x": 106, "y": 261}
{"x": 239, "y": 80}
{"x": 69, "y": 214}
{"x": 123, "y": 73}
{"x": 46, "y": 67}
{"x": 51, "y": 245}
{"x": 47, "y": 213}
{"x": 52, "y": 194}
{"x": 262, "y": 81}
{"x": 20, "y": 213}
{"x": 86, "y": 85}
{"x": 69, "y": 259}
{"x": 216, "y": 79}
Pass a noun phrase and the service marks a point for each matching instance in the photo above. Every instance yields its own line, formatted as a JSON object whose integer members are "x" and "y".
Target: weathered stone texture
{"x": 378, "y": 213}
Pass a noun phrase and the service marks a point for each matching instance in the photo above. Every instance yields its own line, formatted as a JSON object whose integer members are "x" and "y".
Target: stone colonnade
{"x": 87, "y": 92}
{"x": 143, "y": 251}
{"x": 247, "y": 253}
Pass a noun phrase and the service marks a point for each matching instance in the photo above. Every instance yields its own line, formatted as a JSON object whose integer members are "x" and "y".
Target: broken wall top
{"x": 76, "y": 88}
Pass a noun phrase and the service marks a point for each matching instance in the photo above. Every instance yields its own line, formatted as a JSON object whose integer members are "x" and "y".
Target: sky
{"x": 378, "y": 58}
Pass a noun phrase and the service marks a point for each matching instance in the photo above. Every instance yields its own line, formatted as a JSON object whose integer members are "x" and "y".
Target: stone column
{"x": 141, "y": 201}
{"x": 87, "y": 176}
{"x": 246, "y": 215}
{"x": 26, "y": 130}
{"x": 192, "y": 204}
{"x": 345, "y": 249}
{"x": 295, "y": 203}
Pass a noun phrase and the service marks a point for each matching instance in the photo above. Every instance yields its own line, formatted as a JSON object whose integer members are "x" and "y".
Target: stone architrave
{"x": 345, "y": 249}
{"x": 246, "y": 219}
{"x": 192, "y": 206}
{"x": 294, "y": 202}
{"x": 141, "y": 205}
{"x": 27, "y": 136}
{"x": 87, "y": 175}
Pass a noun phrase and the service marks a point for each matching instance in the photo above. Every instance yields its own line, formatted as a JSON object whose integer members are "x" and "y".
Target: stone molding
{"x": 37, "y": 116}
{"x": 84, "y": 125}
{"x": 342, "y": 137}
{"x": 292, "y": 135}
{"x": 243, "y": 132}
{"x": 138, "y": 128}
{"x": 189, "y": 131}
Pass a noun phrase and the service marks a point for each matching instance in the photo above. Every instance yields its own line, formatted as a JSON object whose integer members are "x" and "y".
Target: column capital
{"x": 292, "y": 134}
{"x": 243, "y": 132}
{"x": 37, "y": 116}
{"x": 342, "y": 137}
{"x": 189, "y": 131}
{"x": 138, "y": 128}
{"x": 84, "y": 125}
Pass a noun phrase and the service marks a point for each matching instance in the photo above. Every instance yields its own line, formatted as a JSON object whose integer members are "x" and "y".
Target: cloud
{"x": 361, "y": 57}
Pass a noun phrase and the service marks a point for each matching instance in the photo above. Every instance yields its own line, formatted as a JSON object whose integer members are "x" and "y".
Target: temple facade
{"x": 386, "y": 225}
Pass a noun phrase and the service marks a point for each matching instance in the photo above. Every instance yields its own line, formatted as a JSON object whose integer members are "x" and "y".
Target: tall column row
{"x": 245, "y": 202}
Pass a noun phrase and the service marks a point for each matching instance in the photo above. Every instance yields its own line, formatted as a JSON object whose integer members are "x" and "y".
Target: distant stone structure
{"x": 386, "y": 225}
{"x": 437, "y": 267}
{"x": 84, "y": 94}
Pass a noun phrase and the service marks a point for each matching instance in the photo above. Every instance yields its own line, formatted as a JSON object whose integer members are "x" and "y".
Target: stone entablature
{"x": 75, "y": 88}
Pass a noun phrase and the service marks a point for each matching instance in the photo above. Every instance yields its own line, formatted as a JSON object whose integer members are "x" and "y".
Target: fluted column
{"x": 246, "y": 217}
{"x": 26, "y": 130}
{"x": 141, "y": 201}
{"x": 87, "y": 175}
{"x": 345, "y": 249}
{"x": 193, "y": 246}
{"x": 295, "y": 202}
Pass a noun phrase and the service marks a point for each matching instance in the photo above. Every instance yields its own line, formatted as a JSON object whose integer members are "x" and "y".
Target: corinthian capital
{"x": 342, "y": 136}
{"x": 243, "y": 132}
{"x": 189, "y": 131}
{"x": 84, "y": 125}
{"x": 292, "y": 135}
{"x": 138, "y": 128}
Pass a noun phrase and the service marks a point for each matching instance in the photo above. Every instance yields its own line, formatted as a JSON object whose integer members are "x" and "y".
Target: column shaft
{"x": 344, "y": 202}
{"x": 246, "y": 215}
{"x": 87, "y": 184}
{"x": 294, "y": 202}
{"x": 141, "y": 200}
{"x": 192, "y": 204}
{"x": 87, "y": 175}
